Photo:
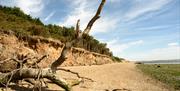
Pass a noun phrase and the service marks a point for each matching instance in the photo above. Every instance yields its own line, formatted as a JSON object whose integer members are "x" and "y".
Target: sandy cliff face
{"x": 36, "y": 47}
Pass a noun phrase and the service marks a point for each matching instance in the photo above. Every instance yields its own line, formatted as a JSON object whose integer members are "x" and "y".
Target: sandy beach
{"x": 113, "y": 77}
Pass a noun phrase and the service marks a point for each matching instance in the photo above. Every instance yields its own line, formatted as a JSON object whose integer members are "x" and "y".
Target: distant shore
{"x": 174, "y": 61}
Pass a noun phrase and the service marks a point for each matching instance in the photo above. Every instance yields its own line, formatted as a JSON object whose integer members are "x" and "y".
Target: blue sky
{"x": 132, "y": 29}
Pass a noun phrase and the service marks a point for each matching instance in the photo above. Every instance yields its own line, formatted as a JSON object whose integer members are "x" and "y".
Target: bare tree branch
{"x": 97, "y": 16}
{"x": 77, "y": 29}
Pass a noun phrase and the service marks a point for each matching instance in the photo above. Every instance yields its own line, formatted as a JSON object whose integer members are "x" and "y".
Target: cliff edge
{"x": 35, "y": 47}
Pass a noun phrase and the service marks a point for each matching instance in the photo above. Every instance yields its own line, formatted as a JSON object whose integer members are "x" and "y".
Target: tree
{"x": 50, "y": 73}
{"x": 68, "y": 45}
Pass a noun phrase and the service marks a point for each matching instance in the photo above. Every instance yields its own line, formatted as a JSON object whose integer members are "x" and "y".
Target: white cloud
{"x": 173, "y": 44}
{"x": 171, "y": 52}
{"x": 142, "y": 7}
{"x": 77, "y": 13}
{"x": 10, "y": 3}
{"x": 155, "y": 27}
{"x": 104, "y": 25}
{"x": 117, "y": 48}
{"x": 84, "y": 11}
{"x": 49, "y": 16}
{"x": 33, "y": 7}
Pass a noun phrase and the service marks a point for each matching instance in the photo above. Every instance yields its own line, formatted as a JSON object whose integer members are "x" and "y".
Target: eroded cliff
{"x": 36, "y": 47}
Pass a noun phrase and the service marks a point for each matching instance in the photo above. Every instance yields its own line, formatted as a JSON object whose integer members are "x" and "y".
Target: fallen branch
{"x": 33, "y": 73}
{"x": 39, "y": 60}
{"x": 76, "y": 73}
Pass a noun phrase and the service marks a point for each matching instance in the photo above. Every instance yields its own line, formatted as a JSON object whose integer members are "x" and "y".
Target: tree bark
{"x": 96, "y": 16}
{"x": 62, "y": 58}
{"x": 77, "y": 29}
{"x": 33, "y": 73}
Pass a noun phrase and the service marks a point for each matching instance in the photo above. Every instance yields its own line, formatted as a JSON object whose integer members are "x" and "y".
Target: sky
{"x": 133, "y": 29}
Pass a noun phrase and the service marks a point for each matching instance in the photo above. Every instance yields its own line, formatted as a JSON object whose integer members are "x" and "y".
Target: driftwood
{"x": 24, "y": 72}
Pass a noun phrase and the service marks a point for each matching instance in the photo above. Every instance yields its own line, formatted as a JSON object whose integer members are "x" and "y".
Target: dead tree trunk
{"x": 49, "y": 73}
{"x": 68, "y": 45}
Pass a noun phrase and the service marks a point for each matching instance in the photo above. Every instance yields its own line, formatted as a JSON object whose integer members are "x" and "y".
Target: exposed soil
{"x": 37, "y": 47}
